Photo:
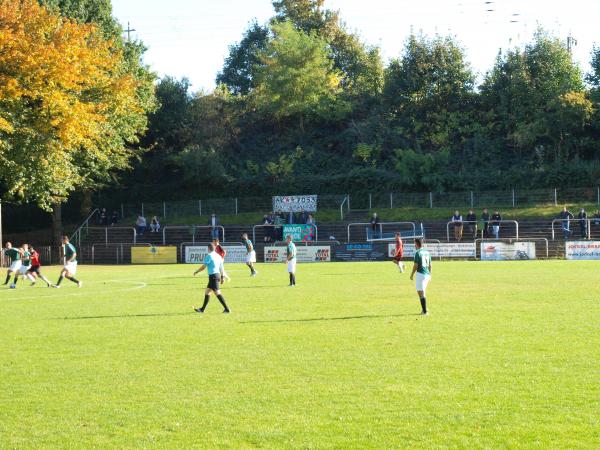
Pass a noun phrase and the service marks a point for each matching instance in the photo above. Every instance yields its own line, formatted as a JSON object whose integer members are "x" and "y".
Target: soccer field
{"x": 508, "y": 358}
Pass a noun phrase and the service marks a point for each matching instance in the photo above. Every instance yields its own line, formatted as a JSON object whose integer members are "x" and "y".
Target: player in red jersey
{"x": 219, "y": 250}
{"x": 34, "y": 269}
{"x": 399, "y": 253}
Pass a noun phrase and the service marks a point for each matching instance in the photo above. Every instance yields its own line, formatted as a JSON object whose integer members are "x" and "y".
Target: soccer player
{"x": 291, "y": 259}
{"x": 14, "y": 254}
{"x": 34, "y": 270}
{"x": 250, "y": 254}
{"x": 221, "y": 252}
{"x": 70, "y": 267}
{"x": 422, "y": 268}
{"x": 399, "y": 254}
{"x": 25, "y": 260}
{"x": 214, "y": 263}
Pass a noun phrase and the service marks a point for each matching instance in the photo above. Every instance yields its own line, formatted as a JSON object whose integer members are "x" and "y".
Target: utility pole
{"x": 129, "y": 30}
{"x": 571, "y": 43}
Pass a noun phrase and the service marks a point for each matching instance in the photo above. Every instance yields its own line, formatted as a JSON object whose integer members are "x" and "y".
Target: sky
{"x": 190, "y": 38}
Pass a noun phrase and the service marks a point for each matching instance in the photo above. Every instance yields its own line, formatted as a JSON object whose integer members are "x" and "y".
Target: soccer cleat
{"x": 253, "y": 274}
{"x": 424, "y": 313}
{"x": 56, "y": 286}
{"x": 199, "y": 310}
{"x": 226, "y": 311}
{"x": 32, "y": 283}
{"x": 79, "y": 284}
{"x": 13, "y": 286}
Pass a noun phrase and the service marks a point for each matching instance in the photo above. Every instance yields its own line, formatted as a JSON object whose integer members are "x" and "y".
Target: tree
{"x": 68, "y": 102}
{"x": 240, "y": 67}
{"x": 297, "y": 79}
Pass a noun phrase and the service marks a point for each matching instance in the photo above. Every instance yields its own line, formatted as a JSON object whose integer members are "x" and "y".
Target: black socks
{"x": 424, "y": 305}
{"x": 206, "y": 299}
{"x": 74, "y": 280}
{"x": 59, "y": 280}
{"x": 7, "y": 278}
{"x": 222, "y": 300}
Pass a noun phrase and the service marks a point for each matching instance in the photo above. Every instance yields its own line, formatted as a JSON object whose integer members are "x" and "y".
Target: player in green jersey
{"x": 422, "y": 268}
{"x": 14, "y": 255}
{"x": 70, "y": 267}
{"x": 291, "y": 259}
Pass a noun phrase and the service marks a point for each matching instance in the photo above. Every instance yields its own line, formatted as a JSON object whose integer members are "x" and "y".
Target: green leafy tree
{"x": 298, "y": 79}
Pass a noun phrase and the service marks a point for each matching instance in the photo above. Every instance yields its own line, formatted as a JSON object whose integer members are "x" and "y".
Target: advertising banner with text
{"x": 303, "y": 254}
{"x": 295, "y": 203}
{"x": 299, "y": 233}
{"x": 196, "y": 254}
{"x": 449, "y": 250}
{"x": 582, "y": 250}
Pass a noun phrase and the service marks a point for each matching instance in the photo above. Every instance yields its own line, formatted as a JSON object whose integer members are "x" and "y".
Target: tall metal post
{"x": 599, "y": 195}
{"x": 236, "y": 206}
{"x": 142, "y": 208}
{"x": 371, "y": 201}
{"x": 391, "y": 200}
{"x": 431, "y": 199}
{"x": 200, "y": 207}
{"x": 555, "y": 197}
{"x": 164, "y": 210}
{"x": 122, "y": 211}
{"x": 513, "y": 198}
{"x": 472, "y": 200}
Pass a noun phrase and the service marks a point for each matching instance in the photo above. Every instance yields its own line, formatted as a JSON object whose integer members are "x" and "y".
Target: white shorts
{"x": 16, "y": 265}
{"x": 292, "y": 265}
{"x": 71, "y": 267}
{"x": 24, "y": 269}
{"x": 251, "y": 257}
{"x": 422, "y": 281}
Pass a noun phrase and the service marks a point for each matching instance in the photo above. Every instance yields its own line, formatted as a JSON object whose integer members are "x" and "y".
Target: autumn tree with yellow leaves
{"x": 69, "y": 105}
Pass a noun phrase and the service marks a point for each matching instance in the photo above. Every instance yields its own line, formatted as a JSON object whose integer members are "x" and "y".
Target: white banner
{"x": 304, "y": 254}
{"x": 196, "y": 254}
{"x": 582, "y": 250}
{"x": 295, "y": 203}
{"x": 449, "y": 250}
{"x": 503, "y": 251}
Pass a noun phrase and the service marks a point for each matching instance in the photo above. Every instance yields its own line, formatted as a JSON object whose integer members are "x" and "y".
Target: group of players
{"x": 214, "y": 262}
{"x": 25, "y": 262}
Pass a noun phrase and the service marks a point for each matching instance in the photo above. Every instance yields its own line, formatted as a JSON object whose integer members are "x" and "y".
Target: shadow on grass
{"x": 324, "y": 319}
{"x": 125, "y": 316}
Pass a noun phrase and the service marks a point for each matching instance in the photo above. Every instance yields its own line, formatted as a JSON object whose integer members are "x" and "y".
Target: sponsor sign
{"x": 154, "y": 255}
{"x": 503, "y": 251}
{"x": 295, "y": 203}
{"x": 360, "y": 252}
{"x": 582, "y": 250}
{"x": 299, "y": 233}
{"x": 304, "y": 254}
{"x": 444, "y": 250}
{"x": 196, "y": 254}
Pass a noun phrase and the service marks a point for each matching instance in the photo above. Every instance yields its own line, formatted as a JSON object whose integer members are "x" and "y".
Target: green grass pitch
{"x": 508, "y": 358}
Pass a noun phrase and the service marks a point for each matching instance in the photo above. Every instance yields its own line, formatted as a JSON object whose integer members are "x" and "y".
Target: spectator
{"x": 375, "y": 227}
{"x": 268, "y": 228}
{"x": 457, "y": 221}
{"x": 291, "y": 220}
{"x": 565, "y": 215}
{"x": 582, "y": 216}
{"x": 303, "y": 217}
{"x": 114, "y": 218}
{"x": 485, "y": 218}
{"x": 496, "y": 219}
{"x": 597, "y": 217}
{"x": 154, "y": 225}
{"x": 472, "y": 224}
{"x": 279, "y": 223}
{"x": 213, "y": 223}
{"x": 102, "y": 219}
{"x": 310, "y": 220}
{"x": 140, "y": 225}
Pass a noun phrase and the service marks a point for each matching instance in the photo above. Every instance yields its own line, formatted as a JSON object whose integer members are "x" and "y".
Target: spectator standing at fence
{"x": 154, "y": 225}
{"x": 291, "y": 219}
{"x": 485, "y": 218}
{"x": 114, "y": 218}
{"x": 140, "y": 225}
{"x": 268, "y": 229}
{"x": 457, "y": 221}
{"x": 582, "y": 216}
{"x": 566, "y": 215}
{"x": 472, "y": 224}
{"x": 375, "y": 226}
{"x": 597, "y": 217}
{"x": 310, "y": 220}
{"x": 279, "y": 223}
{"x": 303, "y": 217}
{"x": 213, "y": 223}
{"x": 102, "y": 220}
{"x": 496, "y": 219}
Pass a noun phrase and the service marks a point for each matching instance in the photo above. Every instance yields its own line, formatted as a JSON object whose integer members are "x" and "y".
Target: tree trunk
{"x": 57, "y": 227}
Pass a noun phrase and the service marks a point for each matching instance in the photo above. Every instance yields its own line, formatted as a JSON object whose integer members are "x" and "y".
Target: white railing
{"x": 77, "y": 234}
{"x": 119, "y": 250}
{"x": 489, "y": 224}
{"x": 347, "y": 203}
{"x": 588, "y": 223}
{"x": 380, "y": 225}
{"x": 107, "y": 229}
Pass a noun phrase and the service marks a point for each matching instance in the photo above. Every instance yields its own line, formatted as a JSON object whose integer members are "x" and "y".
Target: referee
{"x": 214, "y": 263}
